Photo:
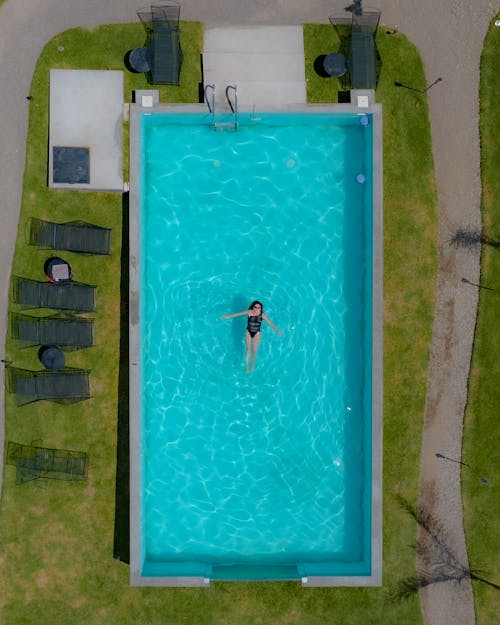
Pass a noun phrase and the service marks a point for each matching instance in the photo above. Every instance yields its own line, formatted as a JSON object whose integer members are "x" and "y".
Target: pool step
{"x": 225, "y": 126}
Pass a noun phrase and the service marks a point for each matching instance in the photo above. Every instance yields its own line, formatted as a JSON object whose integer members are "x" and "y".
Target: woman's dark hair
{"x": 256, "y": 302}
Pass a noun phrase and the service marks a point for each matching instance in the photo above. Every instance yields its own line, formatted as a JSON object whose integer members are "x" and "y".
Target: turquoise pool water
{"x": 264, "y": 475}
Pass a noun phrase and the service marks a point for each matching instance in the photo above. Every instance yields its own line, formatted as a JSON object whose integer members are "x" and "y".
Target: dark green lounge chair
{"x": 66, "y": 332}
{"x": 72, "y": 236}
{"x": 64, "y": 386}
{"x": 33, "y": 462}
{"x": 71, "y": 296}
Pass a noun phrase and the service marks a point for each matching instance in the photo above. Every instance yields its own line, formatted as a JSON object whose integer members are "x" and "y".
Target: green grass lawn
{"x": 57, "y": 541}
{"x": 481, "y": 445}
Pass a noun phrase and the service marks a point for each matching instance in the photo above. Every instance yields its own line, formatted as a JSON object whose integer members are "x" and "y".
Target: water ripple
{"x": 246, "y": 464}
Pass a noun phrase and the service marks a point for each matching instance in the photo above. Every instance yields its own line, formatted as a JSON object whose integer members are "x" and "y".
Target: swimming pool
{"x": 265, "y": 475}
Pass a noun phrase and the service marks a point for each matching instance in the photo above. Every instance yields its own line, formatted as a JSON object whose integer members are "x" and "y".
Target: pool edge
{"x": 375, "y": 578}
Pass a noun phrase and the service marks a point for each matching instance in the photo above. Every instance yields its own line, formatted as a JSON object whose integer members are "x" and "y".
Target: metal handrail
{"x": 234, "y": 108}
{"x": 210, "y": 104}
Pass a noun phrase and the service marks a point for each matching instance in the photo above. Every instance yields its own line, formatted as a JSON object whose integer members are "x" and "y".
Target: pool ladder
{"x": 233, "y": 105}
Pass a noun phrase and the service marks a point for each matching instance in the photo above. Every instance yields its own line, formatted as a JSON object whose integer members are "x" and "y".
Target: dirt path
{"x": 451, "y": 45}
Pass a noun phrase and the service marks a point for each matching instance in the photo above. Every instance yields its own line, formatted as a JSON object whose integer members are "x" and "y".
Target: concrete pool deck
{"x": 266, "y": 63}
{"x": 444, "y": 33}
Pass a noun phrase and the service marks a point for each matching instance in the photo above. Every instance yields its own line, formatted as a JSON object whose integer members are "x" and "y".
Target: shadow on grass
{"x": 319, "y": 66}
{"x": 121, "y": 548}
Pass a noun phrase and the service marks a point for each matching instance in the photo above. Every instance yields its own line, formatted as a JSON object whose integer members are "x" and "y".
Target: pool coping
{"x": 364, "y": 105}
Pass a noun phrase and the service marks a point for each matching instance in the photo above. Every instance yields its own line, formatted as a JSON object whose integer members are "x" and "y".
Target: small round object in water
{"x": 360, "y": 178}
{"x": 364, "y": 121}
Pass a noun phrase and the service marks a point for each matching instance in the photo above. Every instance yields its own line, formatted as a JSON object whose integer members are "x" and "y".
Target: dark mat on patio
{"x": 71, "y": 165}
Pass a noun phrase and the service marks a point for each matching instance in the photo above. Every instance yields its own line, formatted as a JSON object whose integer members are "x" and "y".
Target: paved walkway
{"x": 449, "y": 35}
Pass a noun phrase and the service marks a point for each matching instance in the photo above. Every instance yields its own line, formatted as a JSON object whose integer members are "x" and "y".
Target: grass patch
{"x": 56, "y": 543}
{"x": 320, "y": 39}
{"x": 481, "y": 444}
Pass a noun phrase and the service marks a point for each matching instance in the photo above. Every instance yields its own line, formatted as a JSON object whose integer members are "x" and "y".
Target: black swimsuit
{"x": 253, "y": 325}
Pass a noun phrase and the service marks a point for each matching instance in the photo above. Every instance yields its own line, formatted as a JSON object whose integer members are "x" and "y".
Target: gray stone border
{"x": 375, "y": 579}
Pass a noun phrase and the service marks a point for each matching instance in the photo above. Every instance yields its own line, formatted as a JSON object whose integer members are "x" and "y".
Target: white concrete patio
{"x": 266, "y": 63}
{"x": 86, "y": 111}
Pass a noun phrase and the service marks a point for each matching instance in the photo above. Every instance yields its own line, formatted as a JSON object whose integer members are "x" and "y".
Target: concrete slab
{"x": 244, "y": 67}
{"x": 267, "y": 96}
{"x": 266, "y": 64}
{"x": 86, "y": 111}
{"x": 284, "y": 39}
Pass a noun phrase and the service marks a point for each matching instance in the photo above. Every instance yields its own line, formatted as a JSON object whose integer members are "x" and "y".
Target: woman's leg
{"x": 255, "y": 347}
{"x": 248, "y": 343}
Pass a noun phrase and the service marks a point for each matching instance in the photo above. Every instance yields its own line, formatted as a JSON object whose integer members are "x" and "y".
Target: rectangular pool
{"x": 273, "y": 474}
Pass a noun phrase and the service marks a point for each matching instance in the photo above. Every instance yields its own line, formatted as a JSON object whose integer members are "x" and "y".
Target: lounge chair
{"x": 66, "y": 332}
{"x": 73, "y": 296}
{"x": 73, "y": 236}
{"x": 33, "y": 462}
{"x": 357, "y": 35}
{"x": 163, "y": 49}
{"x": 65, "y": 386}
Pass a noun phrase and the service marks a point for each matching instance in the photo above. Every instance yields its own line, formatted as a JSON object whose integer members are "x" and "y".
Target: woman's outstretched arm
{"x": 267, "y": 320}
{"x": 237, "y": 314}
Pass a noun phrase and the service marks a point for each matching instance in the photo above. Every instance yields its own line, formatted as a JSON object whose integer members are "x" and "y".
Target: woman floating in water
{"x": 255, "y": 314}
